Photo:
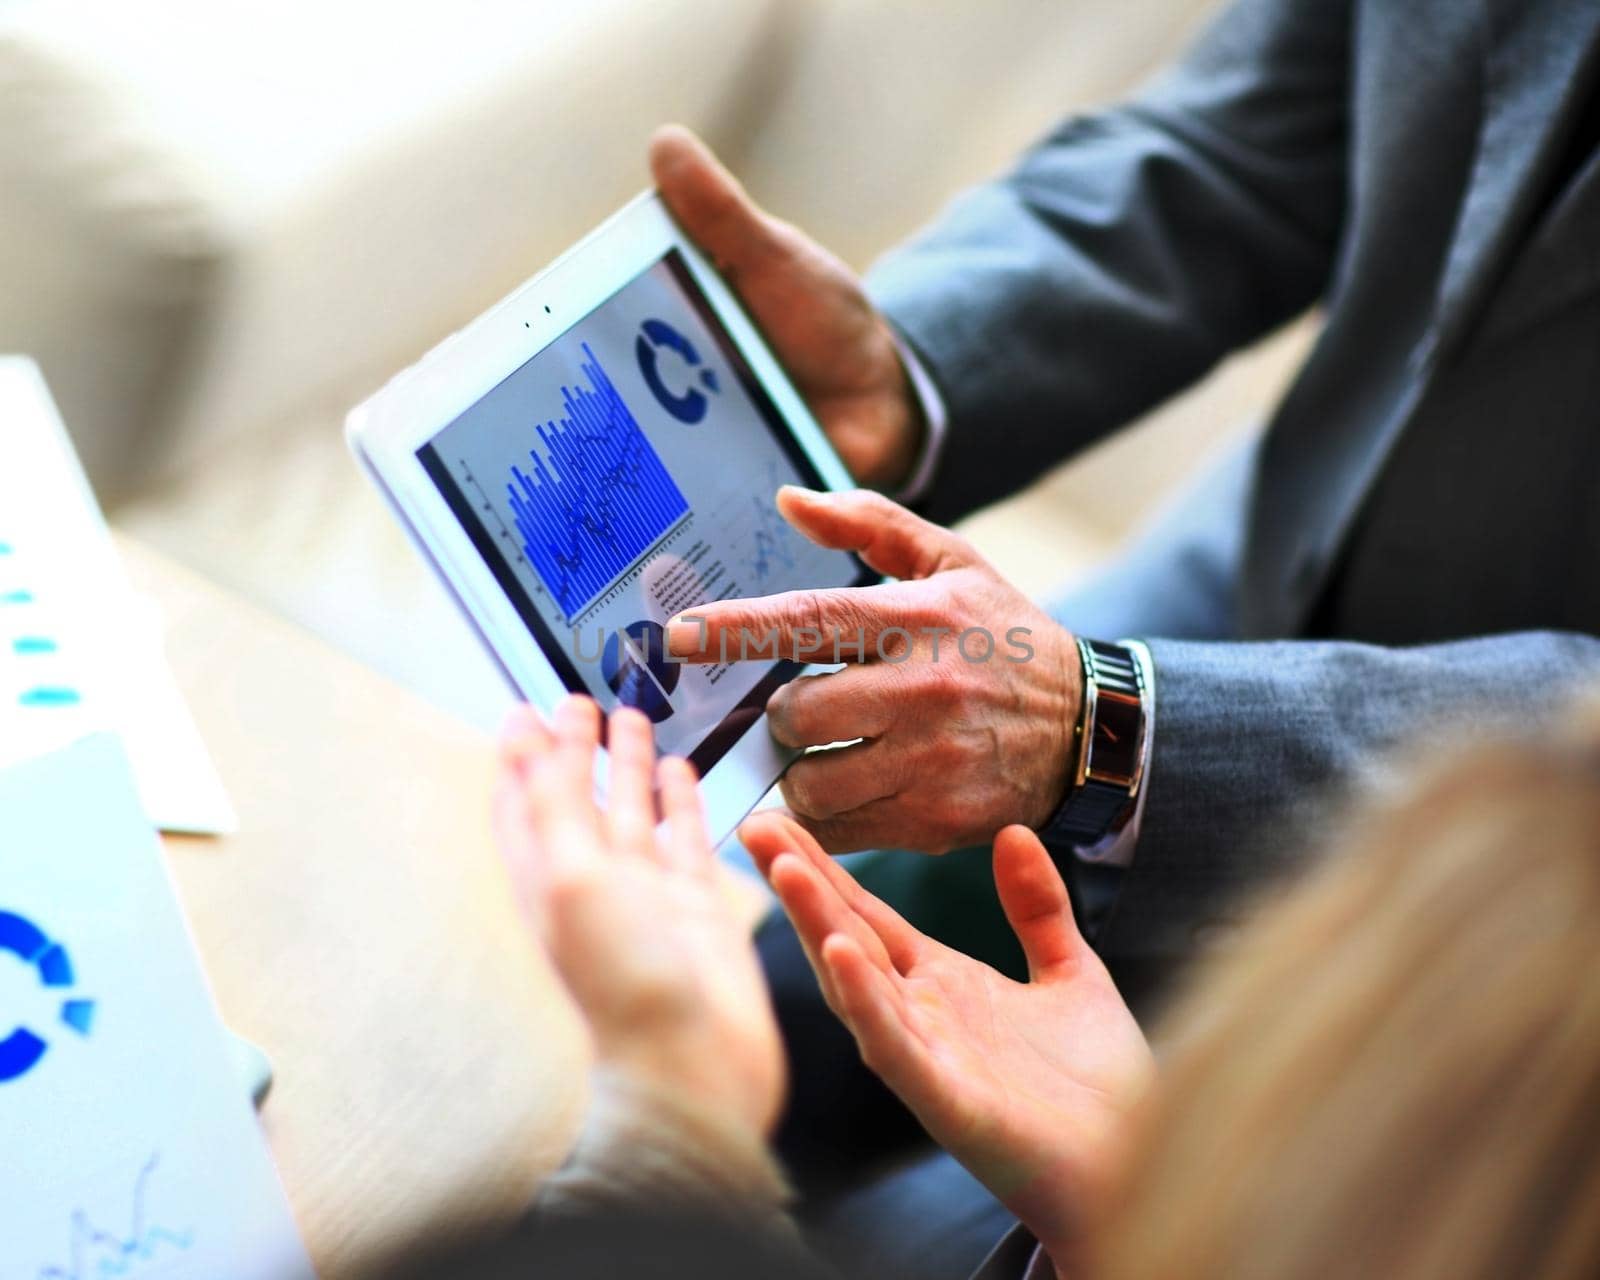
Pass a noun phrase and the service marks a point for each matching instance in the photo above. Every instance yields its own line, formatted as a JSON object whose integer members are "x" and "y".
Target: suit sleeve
{"x": 1131, "y": 249}
{"x": 1257, "y": 744}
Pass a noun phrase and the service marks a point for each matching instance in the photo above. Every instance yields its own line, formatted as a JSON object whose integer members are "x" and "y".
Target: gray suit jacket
{"x": 1424, "y": 528}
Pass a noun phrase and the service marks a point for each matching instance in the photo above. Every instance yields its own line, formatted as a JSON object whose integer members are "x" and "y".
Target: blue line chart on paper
{"x": 595, "y": 496}
{"x": 95, "y": 1252}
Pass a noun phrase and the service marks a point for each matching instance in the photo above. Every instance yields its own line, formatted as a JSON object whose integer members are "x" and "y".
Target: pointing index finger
{"x": 835, "y": 624}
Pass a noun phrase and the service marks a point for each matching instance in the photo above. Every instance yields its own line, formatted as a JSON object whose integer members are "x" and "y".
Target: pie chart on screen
{"x": 636, "y": 669}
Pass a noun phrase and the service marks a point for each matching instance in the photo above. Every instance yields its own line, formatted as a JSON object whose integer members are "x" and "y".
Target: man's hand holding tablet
{"x": 599, "y": 453}
{"x": 953, "y": 746}
{"x": 811, "y": 307}
{"x": 597, "y": 456}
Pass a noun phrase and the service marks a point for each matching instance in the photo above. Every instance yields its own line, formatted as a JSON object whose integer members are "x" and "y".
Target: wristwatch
{"x": 1109, "y": 738}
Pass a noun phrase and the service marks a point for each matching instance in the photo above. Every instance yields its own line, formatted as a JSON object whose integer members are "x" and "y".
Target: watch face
{"x": 1114, "y": 748}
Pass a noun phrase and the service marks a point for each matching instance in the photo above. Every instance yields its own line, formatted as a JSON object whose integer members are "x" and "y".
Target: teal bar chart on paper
{"x": 79, "y": 652}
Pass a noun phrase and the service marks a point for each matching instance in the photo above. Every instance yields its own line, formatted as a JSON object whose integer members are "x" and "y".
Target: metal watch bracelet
{"x": 1109, "y": 741}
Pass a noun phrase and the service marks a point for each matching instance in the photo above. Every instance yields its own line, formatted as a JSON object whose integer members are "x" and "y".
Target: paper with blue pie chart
{"x": 132, "y": 1150}
{"x": 23, "y": 940}
{"x": 626, "y": 474}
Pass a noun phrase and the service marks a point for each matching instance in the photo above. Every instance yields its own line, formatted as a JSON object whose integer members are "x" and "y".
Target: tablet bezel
{"x": 388, "y": 430}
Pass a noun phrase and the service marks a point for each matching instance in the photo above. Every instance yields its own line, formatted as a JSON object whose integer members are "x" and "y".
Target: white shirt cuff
{"x": 933, "y": 414}
{"x": 1117, "y": 848}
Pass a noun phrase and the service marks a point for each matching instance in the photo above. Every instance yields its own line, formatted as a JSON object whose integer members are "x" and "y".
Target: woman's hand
{"x": 633, "y": 919}
{"x": 1027, "y": 1084}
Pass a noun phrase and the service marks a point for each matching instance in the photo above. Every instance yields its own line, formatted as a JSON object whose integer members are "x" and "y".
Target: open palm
{"x": 1027, "y": 1084}
{"x": 626, "y": 902}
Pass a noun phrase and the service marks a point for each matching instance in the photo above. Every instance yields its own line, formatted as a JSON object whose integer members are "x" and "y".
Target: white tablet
{"x": 597, "y": 454}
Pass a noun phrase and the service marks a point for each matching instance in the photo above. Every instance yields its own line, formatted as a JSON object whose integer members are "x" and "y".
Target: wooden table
{"x": 359, "y": 928}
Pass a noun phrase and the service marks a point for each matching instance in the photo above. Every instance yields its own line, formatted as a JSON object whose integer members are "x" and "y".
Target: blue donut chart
{"x": 22, "y": 1049}
{"x": 654, "y": 337}
{"x": 19, "y": 1054}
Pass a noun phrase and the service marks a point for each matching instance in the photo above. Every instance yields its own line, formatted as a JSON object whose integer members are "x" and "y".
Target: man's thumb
{"x": 708, "y": 202}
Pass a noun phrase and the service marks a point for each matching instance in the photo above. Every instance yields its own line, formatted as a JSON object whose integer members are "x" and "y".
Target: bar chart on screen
{"x": 594, "y": 496}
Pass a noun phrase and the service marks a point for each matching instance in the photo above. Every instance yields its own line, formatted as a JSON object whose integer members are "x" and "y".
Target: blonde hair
{"x": 1396, "y": 1073}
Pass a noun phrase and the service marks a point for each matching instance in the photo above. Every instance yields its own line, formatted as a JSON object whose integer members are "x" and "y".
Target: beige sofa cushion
{"x": 106, "y": 258}
{"x": 318, "y": 188}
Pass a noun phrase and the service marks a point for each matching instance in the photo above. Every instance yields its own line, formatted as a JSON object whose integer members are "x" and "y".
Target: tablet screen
{"x": 624, "y": 475}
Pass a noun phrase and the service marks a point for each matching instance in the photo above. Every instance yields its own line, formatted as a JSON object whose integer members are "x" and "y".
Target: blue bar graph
{"x": 596, "y": 498}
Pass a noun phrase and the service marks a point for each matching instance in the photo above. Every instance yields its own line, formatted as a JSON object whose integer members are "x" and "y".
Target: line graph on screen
{"x": 594, "y": 496}
{"x": 772, "y": 540}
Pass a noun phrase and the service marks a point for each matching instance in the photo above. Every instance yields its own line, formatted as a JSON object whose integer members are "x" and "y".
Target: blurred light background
{"x": 226, "y": 223}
